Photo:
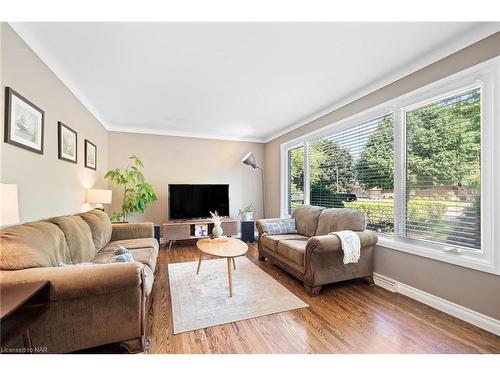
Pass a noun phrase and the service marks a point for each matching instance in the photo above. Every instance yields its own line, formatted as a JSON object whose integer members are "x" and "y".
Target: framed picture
{"x": 67, "y": 143}
{"x": 90, "y": 155}
{"x": 24, "y": 122}
{"x": 200, "y": 230}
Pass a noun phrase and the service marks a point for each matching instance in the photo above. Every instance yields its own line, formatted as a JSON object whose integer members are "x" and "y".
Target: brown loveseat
{"x": 315, "y": 256}
{"x": 90, "y": 304}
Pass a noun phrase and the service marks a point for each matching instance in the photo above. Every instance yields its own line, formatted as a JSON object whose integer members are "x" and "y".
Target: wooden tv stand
{"x": 184, "y": 229}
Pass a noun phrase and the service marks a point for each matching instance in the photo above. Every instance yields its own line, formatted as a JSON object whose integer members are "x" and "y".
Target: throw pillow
{"x": 119, "y": 250}
{"x": 281, "y": 226}
{"x": 123, "y": 258}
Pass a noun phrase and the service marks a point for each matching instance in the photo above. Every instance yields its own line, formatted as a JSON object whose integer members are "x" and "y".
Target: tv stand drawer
{"x": 174, "y": 232}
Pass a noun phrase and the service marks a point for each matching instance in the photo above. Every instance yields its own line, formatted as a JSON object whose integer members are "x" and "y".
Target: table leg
{"x": 234, "y": 263}
{"x": 199, "y": 264}
{"x": 229, "y": 276}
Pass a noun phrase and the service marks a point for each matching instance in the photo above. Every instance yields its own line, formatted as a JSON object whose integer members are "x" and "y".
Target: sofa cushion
{"x": 143, "y": 250}
{"x": 100, "y": 226}
{"x": 38, "y": 244}
{"x": 134, "y": 243}
{"x": 306, "y": 218}
{"x": 337, "y": 219}
{"x": 271, "y": 241}
{"x": 293, "y": 250}
{"x": 279, "y": 226}
{"x": 146, "y": 256}
{"x": 78, "y": 237}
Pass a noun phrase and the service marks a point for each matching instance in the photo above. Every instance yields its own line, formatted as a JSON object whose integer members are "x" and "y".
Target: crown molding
{"x": 171, "y": 133}
{"x": 437, "y": 54}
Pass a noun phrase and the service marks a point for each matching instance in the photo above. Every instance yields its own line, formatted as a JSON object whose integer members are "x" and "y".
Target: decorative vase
{"x": 217, "y": 231}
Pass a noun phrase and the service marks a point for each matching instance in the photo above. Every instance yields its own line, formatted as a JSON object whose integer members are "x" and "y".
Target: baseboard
{"x": 470, "y": 316}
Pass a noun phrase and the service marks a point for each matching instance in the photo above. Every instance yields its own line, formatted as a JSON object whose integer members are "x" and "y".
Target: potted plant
{"x": 137, "y": 195}
{"x": 246, "y": 213}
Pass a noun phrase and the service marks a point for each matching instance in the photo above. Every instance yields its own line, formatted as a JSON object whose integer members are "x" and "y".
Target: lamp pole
{"x": 249, "y": 159}
{"x": 263, "y": 195}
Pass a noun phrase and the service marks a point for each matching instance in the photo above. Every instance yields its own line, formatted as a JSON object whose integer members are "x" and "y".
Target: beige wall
{"x": 470, "y": 288}
{"x": 47, "y": 186}
{"x": 178, "y": 160}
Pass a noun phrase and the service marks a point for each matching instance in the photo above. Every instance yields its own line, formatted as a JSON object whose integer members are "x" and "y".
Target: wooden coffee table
{"x": 231, "y": 249}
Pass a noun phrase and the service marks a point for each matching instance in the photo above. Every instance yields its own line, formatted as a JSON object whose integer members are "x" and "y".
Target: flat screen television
{"x": 196, "y": 201}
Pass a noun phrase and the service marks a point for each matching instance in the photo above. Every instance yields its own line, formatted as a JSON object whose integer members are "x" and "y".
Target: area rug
{"x": 201, "y": 301}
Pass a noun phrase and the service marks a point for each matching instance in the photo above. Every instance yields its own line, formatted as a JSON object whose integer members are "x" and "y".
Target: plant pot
{"x": 247, "y": 216}
{"x": 217, "y": 231}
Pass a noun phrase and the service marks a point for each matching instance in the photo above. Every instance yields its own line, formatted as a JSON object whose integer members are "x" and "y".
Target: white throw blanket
{"x": 351, "y": 245}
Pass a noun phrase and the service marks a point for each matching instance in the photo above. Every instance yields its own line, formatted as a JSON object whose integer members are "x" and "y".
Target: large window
{"x": 354, "y": 168}
{"x": 420, "y": 167}
{"x": 443, "y": 178}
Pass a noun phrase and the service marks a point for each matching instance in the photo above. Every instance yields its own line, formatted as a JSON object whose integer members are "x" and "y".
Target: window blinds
{"x": 443, "y": 142}
{"x": 353, "y": 168}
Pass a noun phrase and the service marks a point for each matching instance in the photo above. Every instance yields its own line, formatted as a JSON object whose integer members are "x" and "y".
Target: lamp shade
{"x": 99, "y": 196}
{"x": 10, "y": 205}
{"x": 249, "y": 159}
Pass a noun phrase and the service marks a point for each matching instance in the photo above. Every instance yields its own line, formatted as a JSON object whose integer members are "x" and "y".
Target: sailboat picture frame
{"x": 24, "y": 122}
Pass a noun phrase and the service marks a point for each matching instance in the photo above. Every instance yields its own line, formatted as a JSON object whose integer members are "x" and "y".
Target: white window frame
{"x": 486, "y": 76}
{"x": 284, "y": 176}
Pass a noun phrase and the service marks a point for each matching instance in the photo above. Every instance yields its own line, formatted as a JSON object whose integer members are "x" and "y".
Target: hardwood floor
{"x": 347, "y": 317}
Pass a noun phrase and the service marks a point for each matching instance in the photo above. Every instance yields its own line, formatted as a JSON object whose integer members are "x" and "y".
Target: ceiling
{"x": 243, "y": 81}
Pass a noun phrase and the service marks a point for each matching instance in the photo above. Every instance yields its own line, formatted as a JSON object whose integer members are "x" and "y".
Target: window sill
{"x": 463, "y": 259}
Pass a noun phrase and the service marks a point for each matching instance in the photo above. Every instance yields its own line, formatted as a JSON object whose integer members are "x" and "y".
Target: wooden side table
{"x": 21, "y": 306}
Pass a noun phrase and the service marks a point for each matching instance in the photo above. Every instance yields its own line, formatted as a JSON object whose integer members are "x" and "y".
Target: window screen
{"x": 353, "y": 168}
{"x": 443, "y": 142}
{"x": 295, "y": 178}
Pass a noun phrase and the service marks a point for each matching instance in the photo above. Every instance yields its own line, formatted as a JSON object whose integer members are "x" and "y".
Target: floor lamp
{"x": 249, "y": 159}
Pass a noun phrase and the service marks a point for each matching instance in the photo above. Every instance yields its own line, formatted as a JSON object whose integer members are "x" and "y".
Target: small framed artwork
{"x": 24, "y": 122}
{"x": 200, "y": 230}
{"x": 67, "y": 143}
{"x": 90, "y": 155}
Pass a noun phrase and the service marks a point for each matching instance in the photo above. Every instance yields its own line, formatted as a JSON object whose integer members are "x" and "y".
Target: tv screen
{"x": 196, "y": 201}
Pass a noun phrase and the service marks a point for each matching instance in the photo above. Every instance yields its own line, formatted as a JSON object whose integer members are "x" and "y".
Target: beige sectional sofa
{"x": 312, "y": 254}
{"x": 92, "y": 301}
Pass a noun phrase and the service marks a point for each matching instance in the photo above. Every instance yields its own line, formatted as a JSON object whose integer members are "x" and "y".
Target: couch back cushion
{"x": 100, "y": 226}
{"x": 30, "y": 245}
{"x": 337, "y": 219}
{"x": 306, "y": 218}
{"x": 78, "y": 237}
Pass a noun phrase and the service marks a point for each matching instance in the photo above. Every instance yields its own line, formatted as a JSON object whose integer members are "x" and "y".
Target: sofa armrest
{"x": 259, "y": 223}
{"x": 128, "y": 231}
{"x": 330, "y": 242}
{"x": 80, "y": 281}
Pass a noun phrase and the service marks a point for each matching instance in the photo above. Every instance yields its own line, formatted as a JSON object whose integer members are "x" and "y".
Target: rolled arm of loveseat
{"x": 80, "y": 281}
{"x": 330, "y": 242}
{"x": 128, "y": 231}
